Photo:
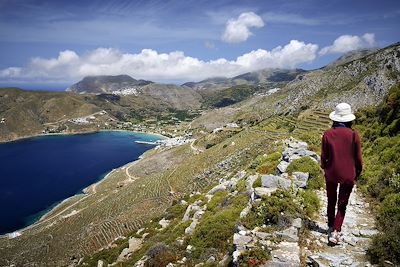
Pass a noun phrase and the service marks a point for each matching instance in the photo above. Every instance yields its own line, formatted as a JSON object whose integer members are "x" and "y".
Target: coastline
{"x": 21, "y": 138}
{"x": 84, "y": 192}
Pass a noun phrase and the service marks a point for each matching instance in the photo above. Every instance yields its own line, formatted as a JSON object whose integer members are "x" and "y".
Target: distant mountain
{"x": 175, "y": 96}
{"x": 261, "y": 77}
{"x": 107, "y": 84}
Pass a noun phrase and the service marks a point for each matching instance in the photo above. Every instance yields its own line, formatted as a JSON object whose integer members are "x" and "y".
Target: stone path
{"x": 357, "y": 229}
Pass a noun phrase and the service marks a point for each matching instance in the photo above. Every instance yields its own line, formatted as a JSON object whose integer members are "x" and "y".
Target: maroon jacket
{"x": 338, "y": 158}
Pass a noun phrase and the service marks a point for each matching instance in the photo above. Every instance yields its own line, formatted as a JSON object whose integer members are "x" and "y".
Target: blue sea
{"x": 39, "y": 172}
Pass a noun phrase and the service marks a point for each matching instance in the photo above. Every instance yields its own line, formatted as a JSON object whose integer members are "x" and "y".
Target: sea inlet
{"x": 37, "y": 173}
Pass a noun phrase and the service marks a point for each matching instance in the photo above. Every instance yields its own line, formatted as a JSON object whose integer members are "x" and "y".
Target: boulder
{"x": 246, "y": 210}
{"x": 300, "y": 179}
{"x": 134, "y": 245}
{"x": 164, "y": 223}
{"x": 297, "y": 223}
{"x": 273, "y": 181}
{"x": 241, "y": 240}
{"x": 282, "y": 166}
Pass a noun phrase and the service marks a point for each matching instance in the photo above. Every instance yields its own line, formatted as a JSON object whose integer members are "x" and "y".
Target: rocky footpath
{"x": 287, "y": 250}
{"x": 357, "y": 230}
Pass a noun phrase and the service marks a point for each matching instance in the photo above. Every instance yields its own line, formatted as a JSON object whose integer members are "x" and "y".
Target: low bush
{"x": 159, "y": 255}
{"x": 215, "y": 231}
{"x": 313, "y": 141}
{"x": 276, "y": 210}
{"x": 379, "y": 128}
{"x": 309, "y": 202}
{"x": 175, "y": 211}
{"x": 306, "y": 164}
{"x": 254, "y": 257}
{"x": 217, "y": 200}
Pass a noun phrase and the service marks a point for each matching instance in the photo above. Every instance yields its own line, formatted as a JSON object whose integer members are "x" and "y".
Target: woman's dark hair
{"x": 347, "y": 124}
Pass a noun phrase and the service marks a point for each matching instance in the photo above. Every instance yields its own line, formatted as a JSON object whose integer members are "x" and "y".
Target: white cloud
{"x": 346, "y": 43}
{"x": 238, "y": 30}
{"x": 149, "y": 64}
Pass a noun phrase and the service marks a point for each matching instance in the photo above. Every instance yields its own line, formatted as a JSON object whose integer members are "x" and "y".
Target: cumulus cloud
{"x": 238, "y": 30}
{"x": 346, "y": 43}
{"x": 152, "y": 65}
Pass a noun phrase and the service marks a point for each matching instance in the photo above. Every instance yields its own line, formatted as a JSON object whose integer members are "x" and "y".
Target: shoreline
{"x": 84, "y": 192}
{"x": 78, "y": 133}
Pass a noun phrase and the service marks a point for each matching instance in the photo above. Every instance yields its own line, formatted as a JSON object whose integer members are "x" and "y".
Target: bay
{"x": 39, "y": 172}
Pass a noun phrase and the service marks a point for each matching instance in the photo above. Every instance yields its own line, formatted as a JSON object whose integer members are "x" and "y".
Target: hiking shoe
{"x": 334, "y": 237}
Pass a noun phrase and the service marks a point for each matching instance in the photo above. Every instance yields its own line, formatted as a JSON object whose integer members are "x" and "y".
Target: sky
{"x": 51, "y": 44}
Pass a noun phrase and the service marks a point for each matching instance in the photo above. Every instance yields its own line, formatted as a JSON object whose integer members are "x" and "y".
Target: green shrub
{"x": 277, "y": 210}
{"x": 159, "y": 255}
{"x": 269, "y": 164}
{"x": 254, "y": 257}
{"x": 176, "y": 211}
{"x": 386, "y": 246}
{"x": 217, "y": 200}
{"x": 306, "y": 164}
{"x": 241, "y": 185}
{"x": 215, "y": 231}
{"x": 309, "y": 202}
{"x": 313, "y": 141}
{"x": 389, "y": 212}
{"x": 379, "y": 128}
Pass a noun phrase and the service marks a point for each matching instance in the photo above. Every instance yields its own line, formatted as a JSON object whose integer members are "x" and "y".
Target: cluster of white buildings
{"x": 83, "y": 120}
{"x": 126, "y": 91}
{"x": 269, "y": 92}
{"x": 173, "y": 142}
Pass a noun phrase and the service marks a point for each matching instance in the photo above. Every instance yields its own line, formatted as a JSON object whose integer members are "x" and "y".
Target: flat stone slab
{"x": 241, "y": 240}
{"x": 290, "y": 234}
{"x": 287, "y": 254}
{"x": 282, "y": 166}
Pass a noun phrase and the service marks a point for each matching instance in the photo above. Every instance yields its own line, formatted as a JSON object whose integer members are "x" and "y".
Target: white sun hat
{"x": 342, "y": 113}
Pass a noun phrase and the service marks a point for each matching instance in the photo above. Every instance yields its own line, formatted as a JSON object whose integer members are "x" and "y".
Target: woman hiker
{"x": 341, "y": 159}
